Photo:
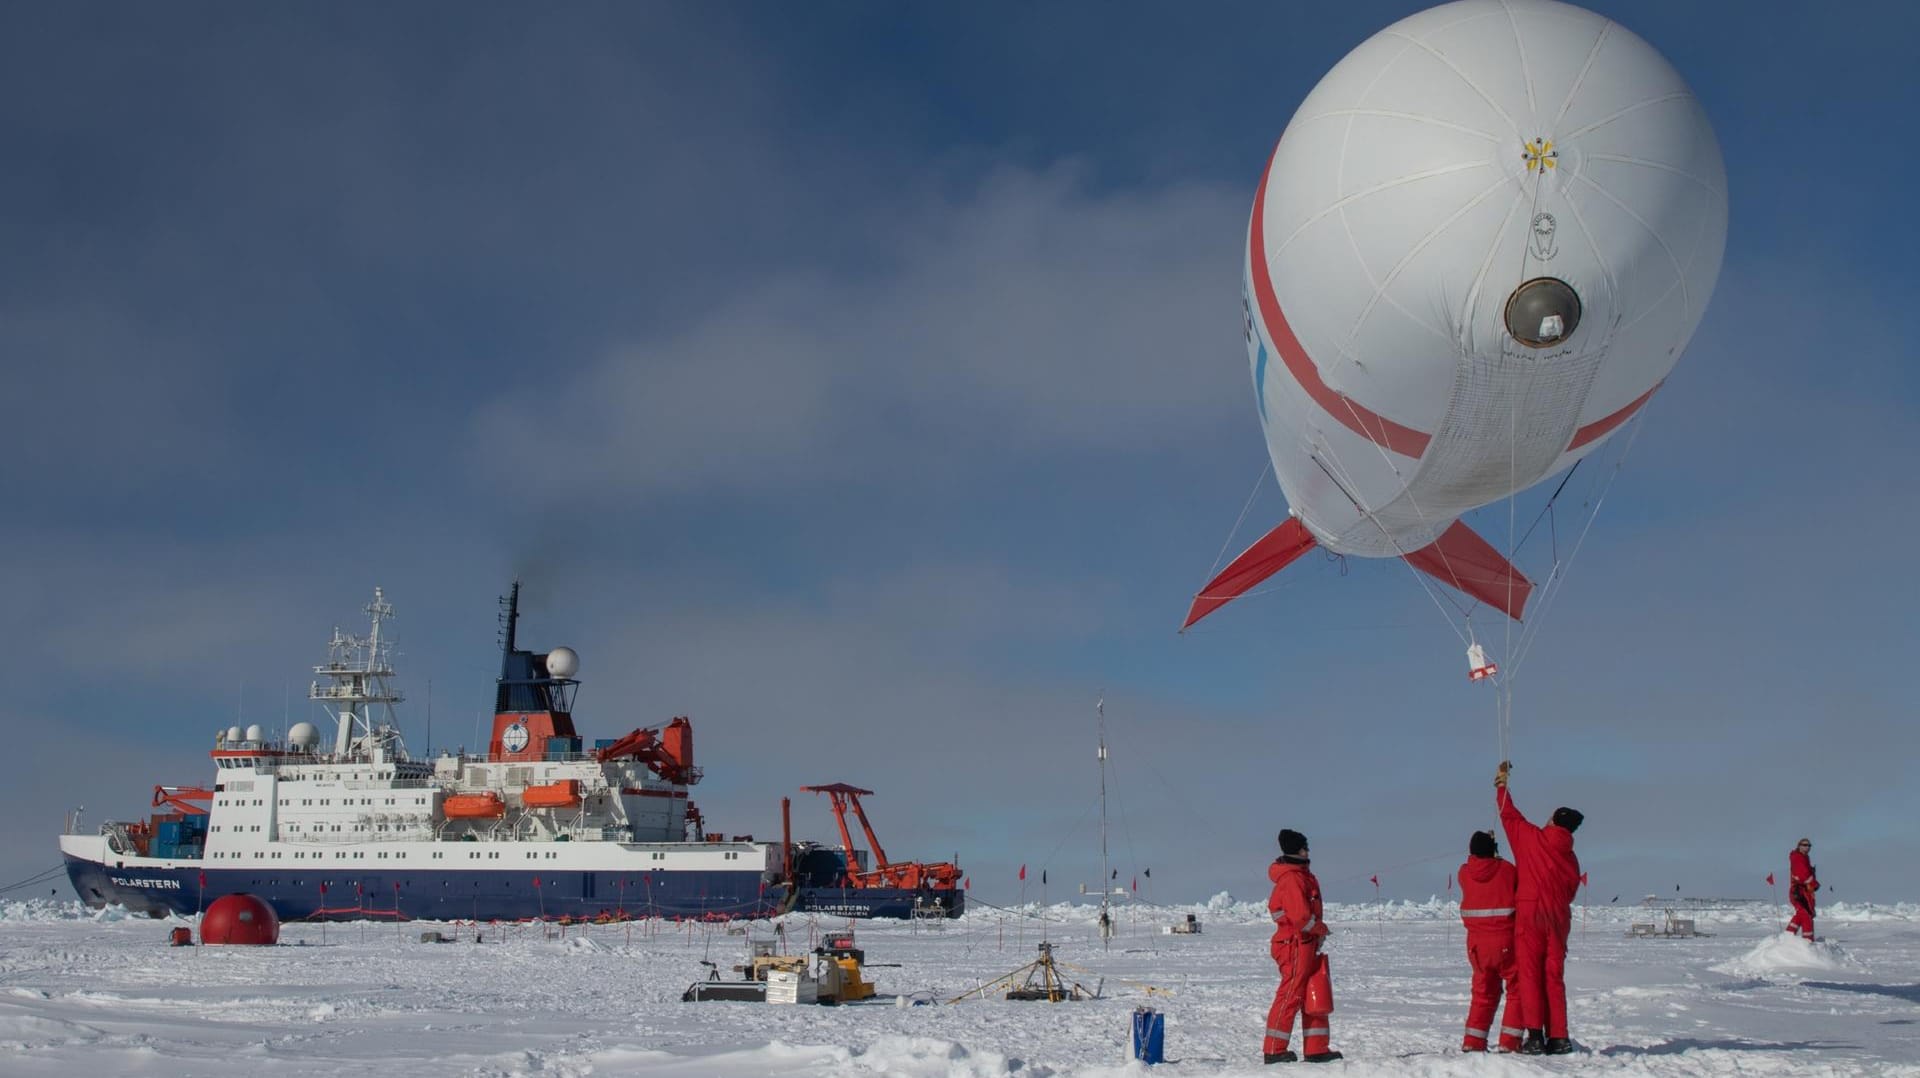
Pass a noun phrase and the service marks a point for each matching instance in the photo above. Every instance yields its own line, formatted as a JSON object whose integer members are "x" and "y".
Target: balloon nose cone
{"x": 1543, "y": 312}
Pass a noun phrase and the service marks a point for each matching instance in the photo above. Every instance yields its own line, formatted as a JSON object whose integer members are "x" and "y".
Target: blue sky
{"x": 866, "y": 383}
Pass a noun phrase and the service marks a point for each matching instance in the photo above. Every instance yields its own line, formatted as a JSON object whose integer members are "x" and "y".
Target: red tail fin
{"x": 1275, "y": 551}
{"x": 1463, "y": 560}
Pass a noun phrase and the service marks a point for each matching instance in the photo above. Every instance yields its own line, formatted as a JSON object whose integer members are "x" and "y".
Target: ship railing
{"x": 598, "y": 834}
{"x": 419, "y": 833}
{"x": 385, "y": 784}
{"x": 117, "y": 838}
{"x": 555, "y": 758}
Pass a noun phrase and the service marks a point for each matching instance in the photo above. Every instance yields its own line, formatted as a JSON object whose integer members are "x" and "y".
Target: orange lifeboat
{"x": 562, "y": 794}
{"x": 485, "y": 806}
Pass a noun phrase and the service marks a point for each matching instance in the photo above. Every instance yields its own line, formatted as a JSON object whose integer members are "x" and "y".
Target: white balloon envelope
{"x": 1478, "y": 249}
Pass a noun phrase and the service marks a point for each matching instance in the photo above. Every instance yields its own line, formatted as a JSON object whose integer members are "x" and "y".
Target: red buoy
{"x": 240, "y": 919}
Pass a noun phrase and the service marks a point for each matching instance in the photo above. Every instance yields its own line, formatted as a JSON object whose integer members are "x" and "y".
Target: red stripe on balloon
{"x": 1606, "y": 423}
{"x": 1369, "y": 424}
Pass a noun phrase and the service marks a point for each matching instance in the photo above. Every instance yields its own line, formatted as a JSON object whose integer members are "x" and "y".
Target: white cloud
{"x": 1033, "y": 316}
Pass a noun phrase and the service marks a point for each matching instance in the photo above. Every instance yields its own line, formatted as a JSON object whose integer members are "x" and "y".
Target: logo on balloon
{"x": 1540, "y": 155}
{"x": 1542, "y": 232}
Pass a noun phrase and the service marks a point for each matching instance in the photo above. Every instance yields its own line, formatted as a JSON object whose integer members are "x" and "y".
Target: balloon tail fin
{"x": 1274, "y": 551}
{"x": 1461, "y": 559}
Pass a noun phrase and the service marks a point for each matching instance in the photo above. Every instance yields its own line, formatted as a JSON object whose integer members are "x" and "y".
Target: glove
{"x": 1500, "y": 776}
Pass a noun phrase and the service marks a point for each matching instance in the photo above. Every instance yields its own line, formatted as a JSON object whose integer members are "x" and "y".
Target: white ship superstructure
{"x": 537, "y": 826}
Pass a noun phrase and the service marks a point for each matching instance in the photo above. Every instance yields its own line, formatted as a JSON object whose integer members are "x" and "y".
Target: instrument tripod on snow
{"x": 1042, "y": 981}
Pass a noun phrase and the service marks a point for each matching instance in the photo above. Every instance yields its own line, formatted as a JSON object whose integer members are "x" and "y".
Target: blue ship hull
{"x": 883, "y": 902}
{"x": 434, "y": 894}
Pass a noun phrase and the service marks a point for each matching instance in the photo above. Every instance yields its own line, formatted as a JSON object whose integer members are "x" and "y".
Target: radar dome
{"x": 303, "y": 735}
{"x": 240, "y": 919}
{"x": 256, "y": 732}
{"x": 233, "y": 734}
{"x": 563, "y": 662}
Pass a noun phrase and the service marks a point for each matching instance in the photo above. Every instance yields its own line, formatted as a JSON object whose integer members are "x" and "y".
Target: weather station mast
{"x": 1106, "y": 891}
{"x": 358, "y": 674}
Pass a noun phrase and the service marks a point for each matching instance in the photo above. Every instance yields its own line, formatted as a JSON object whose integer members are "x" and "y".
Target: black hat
{"x": 1483, "y": 844}
{"x": 1292, "y": 843}
{"x": 1567, "y": 818}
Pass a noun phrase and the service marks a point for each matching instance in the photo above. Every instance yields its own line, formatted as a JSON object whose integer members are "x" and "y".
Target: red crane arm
{"x": 911, "y": 875}
{"x": 644, "y": 745}
{"x": 181, "y": 798}
{"x": 846, "y": 840}
{"x": 837, "y": 793}
{"x": 634, "y": 744}
{"x": 873, "y": 840}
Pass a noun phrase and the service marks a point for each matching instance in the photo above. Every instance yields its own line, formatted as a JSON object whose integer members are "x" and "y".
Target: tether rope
{"x": 37, "y": 878}
{"x": 1557, "y": 581}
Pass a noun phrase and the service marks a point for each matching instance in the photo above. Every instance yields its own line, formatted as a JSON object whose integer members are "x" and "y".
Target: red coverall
{"x": 1543, "y": 914}
{"x": 1297, "y": 932}
{"x": 1486, "y": 907}
{"x": 1801, "y": 884}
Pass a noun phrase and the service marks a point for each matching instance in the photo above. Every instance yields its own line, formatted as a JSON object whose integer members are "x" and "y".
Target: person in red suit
{"x": 1487, "y": 884}
{"x": 1549, "y": 874}
{"x": 1801, "y": 884}
{"x": 1297, "y": 933}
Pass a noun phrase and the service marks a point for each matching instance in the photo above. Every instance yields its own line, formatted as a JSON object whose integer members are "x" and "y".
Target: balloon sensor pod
{"x": 1543, "y": 312}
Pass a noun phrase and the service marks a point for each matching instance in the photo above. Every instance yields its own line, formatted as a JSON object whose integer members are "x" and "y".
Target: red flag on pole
{"x": 966, "y": 884}
{"x": 536, "y": 881}
{"x": 1449, "y": 883}
{"x": 203, "y": 877}
{"x": 1375, "y": 879}
{"x": 1136, "y": 883}
{"x": 1769, "y": 879}
{"x": 1583, "y": 879}
{"x": 357, "y": 892}
{"x": 1023, "y": 872}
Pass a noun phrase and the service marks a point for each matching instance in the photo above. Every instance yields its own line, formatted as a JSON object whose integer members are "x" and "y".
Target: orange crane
{"x": 667, "y": 752}
{"x": 912, "y": 875}
{"x": 181, "y": 798}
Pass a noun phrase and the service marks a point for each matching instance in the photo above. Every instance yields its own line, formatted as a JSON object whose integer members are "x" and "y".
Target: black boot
{"x": 1558, "y": 1046}
{"x": 1322, "y": 1057}
{"x": 1279, "y": 1057}
{"x": 1535, "y": 1044}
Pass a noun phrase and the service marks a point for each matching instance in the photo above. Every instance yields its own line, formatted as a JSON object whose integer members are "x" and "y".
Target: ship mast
{"x": 359, "y": 674}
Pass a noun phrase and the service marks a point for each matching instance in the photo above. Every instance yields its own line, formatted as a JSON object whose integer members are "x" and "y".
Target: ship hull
{"x": 430, "y": 894}
{"x": 882, "y": 902}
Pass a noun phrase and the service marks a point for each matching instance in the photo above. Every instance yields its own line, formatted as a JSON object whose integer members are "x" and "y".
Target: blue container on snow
{"x": 1149, "y": 1034}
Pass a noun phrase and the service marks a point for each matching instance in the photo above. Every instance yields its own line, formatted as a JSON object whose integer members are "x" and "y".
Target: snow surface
{"x": 1786, "y": 954}
{"x": 85, "y": 992}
